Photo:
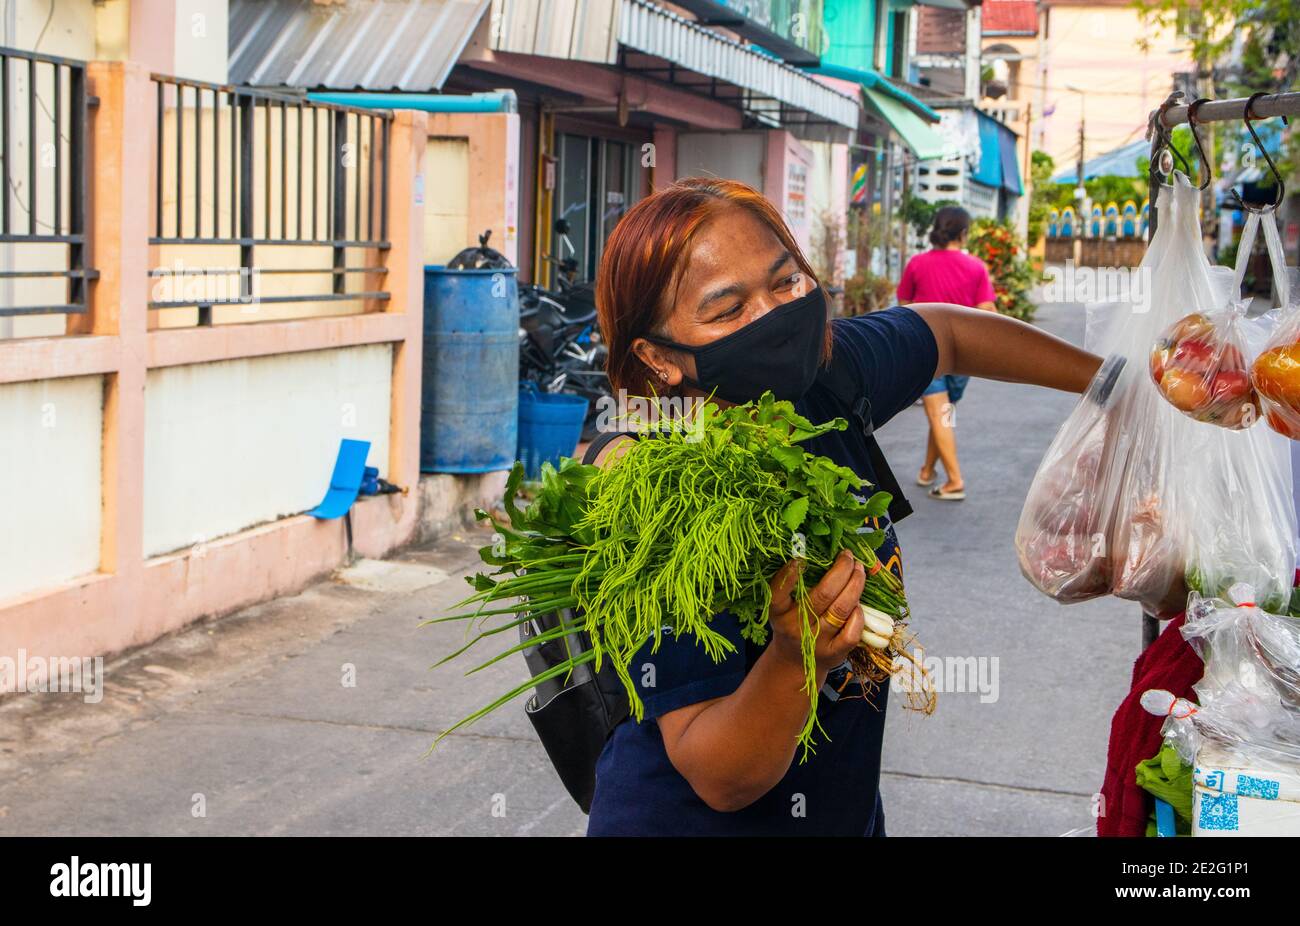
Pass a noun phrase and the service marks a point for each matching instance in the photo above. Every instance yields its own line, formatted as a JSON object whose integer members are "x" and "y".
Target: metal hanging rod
{"x": 1274, "y": 104}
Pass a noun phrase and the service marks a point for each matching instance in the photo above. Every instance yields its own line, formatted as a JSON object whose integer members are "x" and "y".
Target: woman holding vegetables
{"x": 702, "y": 289}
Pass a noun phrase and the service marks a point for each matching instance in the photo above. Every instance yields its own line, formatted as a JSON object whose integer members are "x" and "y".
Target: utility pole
{"x": 1080, "y": 167}
{"x": 1028, "y": 174}
{"x": 1079, "y": 193}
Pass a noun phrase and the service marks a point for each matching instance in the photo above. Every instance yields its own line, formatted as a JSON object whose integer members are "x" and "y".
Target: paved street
{"x": 248, "y": 725}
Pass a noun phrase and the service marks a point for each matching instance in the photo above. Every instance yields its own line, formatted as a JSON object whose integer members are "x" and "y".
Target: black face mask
{"x": 780, "y": 351}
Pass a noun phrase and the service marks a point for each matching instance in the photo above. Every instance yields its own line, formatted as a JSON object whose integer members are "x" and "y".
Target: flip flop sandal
{"x": 926, "y": 483}
{"x": 943, "y": 496}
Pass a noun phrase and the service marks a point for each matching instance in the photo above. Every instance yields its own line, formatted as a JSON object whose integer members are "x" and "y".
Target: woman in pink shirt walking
{"x": 946, "y": 273}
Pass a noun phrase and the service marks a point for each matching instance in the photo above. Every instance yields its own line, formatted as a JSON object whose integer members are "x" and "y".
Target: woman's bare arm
{"x": 992, "y": 346}
{"x": 734, "y": 749}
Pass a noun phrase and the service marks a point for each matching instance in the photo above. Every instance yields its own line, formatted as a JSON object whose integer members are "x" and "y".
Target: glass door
{"x": 597, "y": 183}
{"x": 573, "y": 201}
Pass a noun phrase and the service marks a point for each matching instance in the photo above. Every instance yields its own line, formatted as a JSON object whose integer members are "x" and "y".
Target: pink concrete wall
{"x": 783, "y": 149}
{"x": 493, "y": 173}
{"x": 131, "y": 600}
{"x": 665, "y": 169}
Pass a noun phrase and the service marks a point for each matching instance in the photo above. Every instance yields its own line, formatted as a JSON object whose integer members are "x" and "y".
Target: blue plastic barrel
{"x": 550, "y": 426}
{"x": 469, "y": 409}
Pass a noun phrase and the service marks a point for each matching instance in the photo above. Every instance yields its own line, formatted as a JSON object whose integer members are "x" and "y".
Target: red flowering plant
{"x": 996, "y": 243}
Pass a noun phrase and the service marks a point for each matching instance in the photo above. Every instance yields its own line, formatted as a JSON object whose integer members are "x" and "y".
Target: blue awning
{"x": 1010, "y": 166}
{"x": 1119, "y": 162}
{"x": 989, "y": 169}
{"x": 998, "y": 167}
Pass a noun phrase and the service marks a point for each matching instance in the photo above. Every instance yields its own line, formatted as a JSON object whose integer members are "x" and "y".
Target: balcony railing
{"x": 44, "y": 124}
{"x": 243, "y": 168}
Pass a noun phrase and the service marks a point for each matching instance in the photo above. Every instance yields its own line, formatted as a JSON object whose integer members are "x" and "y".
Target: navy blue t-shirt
{"x": 834, "y": 792}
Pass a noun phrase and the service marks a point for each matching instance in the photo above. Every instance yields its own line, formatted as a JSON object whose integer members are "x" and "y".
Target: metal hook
{"x": 1281, "y": 186}
{"x": 1163, "y": 140}
{"x": 1191, "y": 124}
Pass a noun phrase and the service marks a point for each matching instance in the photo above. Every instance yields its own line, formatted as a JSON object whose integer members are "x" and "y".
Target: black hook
{"x": 1191, "y": 124}
{"x": 1281, "y": 186}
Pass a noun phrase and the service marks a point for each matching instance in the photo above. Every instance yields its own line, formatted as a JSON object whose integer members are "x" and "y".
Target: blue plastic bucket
{"x": 550, "y": 426}
{"x": 469, "y": 408}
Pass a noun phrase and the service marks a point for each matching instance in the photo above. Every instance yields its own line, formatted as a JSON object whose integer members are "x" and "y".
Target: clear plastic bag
{"x": 1199, "y": 366}
{"x": 1237, "y": 484}
{"x": 1249, "y": 708}
{"x": 1275, "y": 373}
{"x": 1201, "y": 363}
{"x": 1136, "y": 498}
{"x": 1149, "y": 532}
{"x": 1099, "y": 517}
{"x": 1061, "y": 537}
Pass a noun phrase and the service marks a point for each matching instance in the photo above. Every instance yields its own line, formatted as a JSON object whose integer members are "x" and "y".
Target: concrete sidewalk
{"x": 247, "y": 725}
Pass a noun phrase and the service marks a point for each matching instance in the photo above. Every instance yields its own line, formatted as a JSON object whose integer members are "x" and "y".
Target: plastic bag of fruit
{"x": 1238, "y": 496}
{"x": 1079, "y": 535}
{"x": 1275, "y": 373}
{"x": 1199, "y": 366}
{"x": 1201, "y": 362}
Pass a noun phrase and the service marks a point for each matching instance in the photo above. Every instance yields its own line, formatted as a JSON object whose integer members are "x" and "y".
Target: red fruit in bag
{"x": 1193, "y": 355}
{"x": 1230, "y": 386}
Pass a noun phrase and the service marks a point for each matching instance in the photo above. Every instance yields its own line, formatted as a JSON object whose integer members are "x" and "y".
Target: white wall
{"x": 232, "y": 444}
{"x": 49, "y": 481}
{"x": 201, "y": 42}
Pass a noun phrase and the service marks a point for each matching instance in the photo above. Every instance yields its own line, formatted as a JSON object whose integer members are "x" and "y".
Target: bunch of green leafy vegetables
{"x": 690, "y": 521}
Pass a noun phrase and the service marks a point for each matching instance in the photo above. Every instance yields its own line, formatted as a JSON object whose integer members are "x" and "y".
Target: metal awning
{"x": 771, "y": 90}
{"x": 923, "y": 141}
{"x": 359, "y": 45}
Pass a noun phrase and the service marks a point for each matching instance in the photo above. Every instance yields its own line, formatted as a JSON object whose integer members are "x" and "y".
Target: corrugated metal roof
{"x": 576, "y": 30}
{"x": 653, "y": 30}
{"x": 361, "y": 44}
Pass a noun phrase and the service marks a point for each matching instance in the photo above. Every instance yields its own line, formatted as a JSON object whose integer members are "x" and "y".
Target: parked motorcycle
{"x": 560, "y": 348}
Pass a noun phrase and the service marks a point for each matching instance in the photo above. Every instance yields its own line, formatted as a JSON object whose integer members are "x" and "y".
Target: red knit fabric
{"x": 1168, "y": 663}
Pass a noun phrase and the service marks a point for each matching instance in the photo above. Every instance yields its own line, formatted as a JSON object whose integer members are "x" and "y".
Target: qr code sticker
{"x": 1250, "y": 786}
{"x": 1218, "y": 812}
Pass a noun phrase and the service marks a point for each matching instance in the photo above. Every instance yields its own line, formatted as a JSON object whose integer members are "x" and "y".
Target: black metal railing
{"x": 44, "y": 125}
{"x": 255, "y": 169}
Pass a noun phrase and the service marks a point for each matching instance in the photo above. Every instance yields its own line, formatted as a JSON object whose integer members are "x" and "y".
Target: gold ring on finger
{"x": 834, "y": 621}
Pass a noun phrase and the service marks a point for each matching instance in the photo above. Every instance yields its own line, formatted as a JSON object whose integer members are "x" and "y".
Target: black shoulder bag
{"x": 573, "y": 714}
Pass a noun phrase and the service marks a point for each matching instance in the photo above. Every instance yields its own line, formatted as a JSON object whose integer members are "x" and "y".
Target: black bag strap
{"x": 600, "y": 440}
{"x": 839, "y": 381}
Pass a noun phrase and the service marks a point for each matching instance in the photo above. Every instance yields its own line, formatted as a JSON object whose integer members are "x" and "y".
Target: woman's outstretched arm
{"x": 977, "y": 343}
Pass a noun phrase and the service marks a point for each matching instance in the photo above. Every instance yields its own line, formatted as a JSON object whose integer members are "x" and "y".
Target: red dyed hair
{"x": 641, "y": 267}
